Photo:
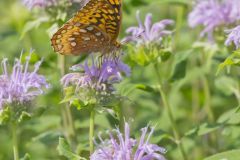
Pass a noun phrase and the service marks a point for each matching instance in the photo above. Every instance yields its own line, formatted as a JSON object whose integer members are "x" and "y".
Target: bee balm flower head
{"x": 20, "y": 85}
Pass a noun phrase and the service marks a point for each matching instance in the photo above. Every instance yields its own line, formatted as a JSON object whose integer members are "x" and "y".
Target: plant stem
{"x": 121, "y": 117}
{"x": 209, "y": 111}
{"x": 171, "y": 118}
{"x": 70, "y": 121}
{"x": 15, "y": 141}
{"x": 195, "y": 101}
{"x": 68, "y": 124}
{"x": 179, "y": 22}
{"x": 91, "y": 130}
{"x": 61, "y": 64}
{"x": 207, "y": 99}
{"x": 173, "y": 123}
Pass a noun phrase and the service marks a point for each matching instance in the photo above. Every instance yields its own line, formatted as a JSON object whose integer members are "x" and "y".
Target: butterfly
{"x": 94, "y": 28}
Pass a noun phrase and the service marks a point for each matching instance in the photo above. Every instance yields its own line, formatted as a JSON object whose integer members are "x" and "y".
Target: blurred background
{"x": 23, "y": 29}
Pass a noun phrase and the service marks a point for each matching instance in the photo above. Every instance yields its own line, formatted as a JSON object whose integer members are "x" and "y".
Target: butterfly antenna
{"x": 126, "y": 41}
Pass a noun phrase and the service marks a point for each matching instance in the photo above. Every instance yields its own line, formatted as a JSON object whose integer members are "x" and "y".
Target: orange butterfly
{"x": 94, "y": 28}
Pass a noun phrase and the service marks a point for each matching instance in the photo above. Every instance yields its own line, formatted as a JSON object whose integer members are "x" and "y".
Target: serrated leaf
{"x": 228, "y": 155}
{"x": 65, "y": 150}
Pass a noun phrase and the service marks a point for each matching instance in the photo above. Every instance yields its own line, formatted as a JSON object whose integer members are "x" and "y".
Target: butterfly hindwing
{"x": 72, "y": 40}
{"x": 97, "y": 22}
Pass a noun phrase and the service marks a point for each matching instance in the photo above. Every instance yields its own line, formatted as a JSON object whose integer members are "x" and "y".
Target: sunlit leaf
{"x": 232, "y": 60}
{"x": 4, "y": 115}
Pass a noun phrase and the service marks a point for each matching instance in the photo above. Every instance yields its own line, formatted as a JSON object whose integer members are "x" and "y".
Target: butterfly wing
{"x": 113, "y": 17}
{"x": 71, "y": 40}
{"x": 96, "y": 23}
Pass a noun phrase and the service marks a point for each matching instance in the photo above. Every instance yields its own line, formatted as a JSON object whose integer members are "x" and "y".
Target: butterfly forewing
{"x": 95, "y": 27}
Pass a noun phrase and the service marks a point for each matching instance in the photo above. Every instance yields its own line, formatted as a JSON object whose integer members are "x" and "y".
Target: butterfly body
{"x": 94, "y": 28}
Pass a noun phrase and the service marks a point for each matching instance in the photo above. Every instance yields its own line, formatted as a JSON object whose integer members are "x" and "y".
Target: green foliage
{"x": 228, "y": 155}
{"x": 232, "y": 60}
{"x": 65, "y": 150}
{"x": 4, "y": 116}
{"x": 26, "y": 157}
{"x": 194, "y": 74}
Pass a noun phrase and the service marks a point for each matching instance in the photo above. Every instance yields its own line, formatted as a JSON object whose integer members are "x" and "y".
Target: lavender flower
{"x": 212, "y": 14}
{"x": 126, "y": 148}
{"x": 99, "y": 77}
{"x": 38, "y": 3}
{"x": 234, "y": 10}
{"x": 20, "y": 85}
{"x": 30, "y": 4}
{"x": 149, "y": 33}
{"x": 233, "y": 36}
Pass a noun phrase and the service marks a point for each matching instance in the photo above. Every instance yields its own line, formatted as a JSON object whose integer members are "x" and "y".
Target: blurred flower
{"x": 38, "y": 3}
{"x": 212, "y": 14}
{"x": 149, "y": 32}
{"x": 99, "y": 76}
{"x": 20, "y": 85}
{"x": 47, "y": 3}
{"x": 233, "y": 36}
{"x": 234, "y": 6}
{"x": 123, "y": 147}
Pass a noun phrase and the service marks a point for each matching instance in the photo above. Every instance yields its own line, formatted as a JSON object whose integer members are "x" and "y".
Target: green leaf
{"x": 232, "y": 60}
{"x": 5, "y": 116}
{"x": 65, "y": 150}
{"x": 230, "y": 117}
{"x": 26, "y": 157}
{"x": 33, "y": 24}
{"x": 203, "y": 129}
{"x": 39, "y": 111}
{"x": 227, "y": 85}
{"x": 24, "y": 117}
{"x": 228, "y": 155}
{"x": 78, "y": 104}
{"x": 177, "y": 2}
{"x": 179, "y": 71}
{"x": 147, "y": 88}
{"x": 47, "y": 137}
{"x": 165, "y": 54}
{"x": 69, "y": 93}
